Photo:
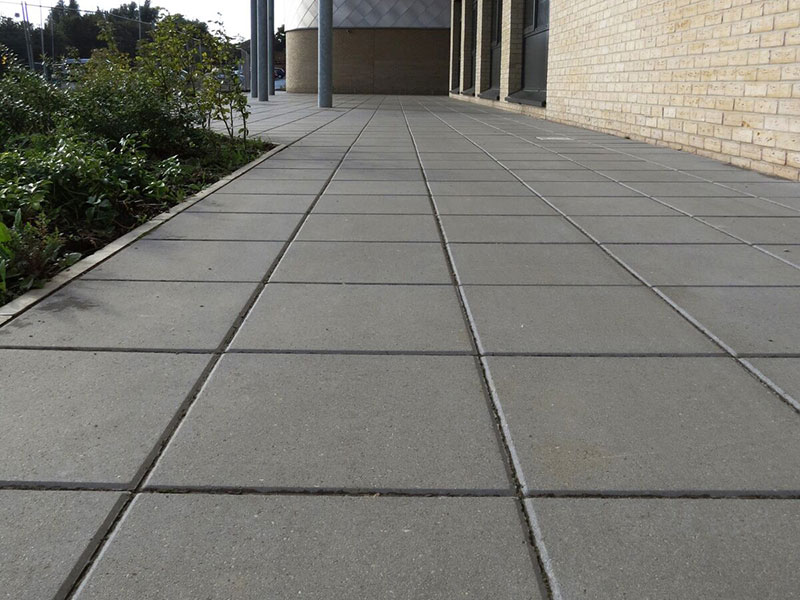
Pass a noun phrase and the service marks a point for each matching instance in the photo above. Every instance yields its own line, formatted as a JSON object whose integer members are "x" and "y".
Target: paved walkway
{"x": 429, "y": 350}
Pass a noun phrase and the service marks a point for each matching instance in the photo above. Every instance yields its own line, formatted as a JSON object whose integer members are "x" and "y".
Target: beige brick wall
{"x": 720, "y": 78}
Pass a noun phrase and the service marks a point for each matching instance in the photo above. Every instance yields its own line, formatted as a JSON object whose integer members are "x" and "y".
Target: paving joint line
{"x": 539, "y": 562}
{"x": 205, "y": 377}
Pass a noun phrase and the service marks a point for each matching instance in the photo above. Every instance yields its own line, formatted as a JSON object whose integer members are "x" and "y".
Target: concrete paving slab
{"x": 282, "y": 161}
{"x": 380, "y": 163}
{"x": 699, "y": 189}
{"x": 290, "y": 174}
{"x": 243, "y": 185}
{"x": 87, "y": 417}
{"x": 760, "y": 230}
{"x": 784, "y": 372}
{"x": 228, "y": 226}
{"x": 190, "y": 546}
{"x": 125, "y": 314}
{"x": 254, "y": 203}
{"x": 636, "y": 175}
{"x": 355, "y": 262}
{"x": 775, "y": 189}
{"x": 627, "y": 206}
{"x": 660, "y": 549}
{"x": 526, "y": 229}
{"x": 389, "y": 205}
{"x": 586, "y": 188}
{"x": 434, "y": 163}
{"x": 382, "y": 228}
{"x": 377, "y": 188}
{"x": 752, "y": 320}
{"x": 355, "y": 317}
{"x": 476, "y": 174}
{"x": 706, "y": 264}
{"x": 552, "y": 320}
{"x": 45, "y": 537}
{"x": 378, "y": 422}
{"x": 652, "y": 230}
{"x": 787, "y": 252}
{"x": 539, "y": 264}
{"x": 478, "y": 188}
{"x": 378, "y": 175}
{"x": 644, "y": 424}
{"x": 548, "y": 163}
{"x": 538, "y": 175}
{"x": 171, "y": 260}
{"x": 493, "y": 205}
{"x": 730, "y": 207}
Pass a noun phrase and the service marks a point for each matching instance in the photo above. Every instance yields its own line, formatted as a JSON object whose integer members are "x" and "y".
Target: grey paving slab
{"x": 554, "y": 320}
{"x": 377, "y": 422}
{"x": 514, "y": 163}
{"x": 582, "y": 188}
{"x": 775, "y": 189}
{"x": 540, "y": 264}
{"x": 730, "y": 207}
{"x": 192, "y": 546}
{"x": 485, "y": 164}
{"x": 652, "y": 230}
{"x": 172, "y": 260}
{"x": 786, "y": 252}
{"x": 389, "y": 204}
{"x": 478, "y": 188}
{"x": 355, "y": 317}
{"x": 254, "y": 203}
{"x": 290, "y": 174}
{"x": 706, "y": 264}
{"x": 378, "y": 175}
{"x": 384, "y": 228}
{"x": 228, "y": 226}
{"x": 751, "y": 320}
{"x": 355, "y": 262}
{"x": 625, "y": 206}
{"x": 252, "y": 185}
{"x": 730, "y": 175}
{"x": 493, "y": 205}
{"x": 476, "y": 174}
{"x": 784, "y": 372}
{"x": 537, "y": 175}
{"x": 660, "y": 549}
{"x": 698, "y": 189}
{"x": 510, "y": 229}
{"x": 664, "y": 175}
{"x": 282, "y": 161}
{"x": 125, "y": 314}
{"x": 377, "y": 162}
{"x": 376, "y": 188}
{"x": 646, "y": 424}
{"x": 761, "y": 230}
{"x": 87, "y": 417}
{"x": 44, "y": 535}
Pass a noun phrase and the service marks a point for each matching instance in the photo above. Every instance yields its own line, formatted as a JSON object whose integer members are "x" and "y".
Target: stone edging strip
{"x": 32, "y": 297}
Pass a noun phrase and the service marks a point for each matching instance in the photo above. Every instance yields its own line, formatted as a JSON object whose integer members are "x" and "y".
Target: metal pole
{"x": 263, "y": 87}
{"x": 139, "y": 11}
{"x": 253, "y": 48}
{"x": 325, "y": 54}
{"x": 270, "y": 47}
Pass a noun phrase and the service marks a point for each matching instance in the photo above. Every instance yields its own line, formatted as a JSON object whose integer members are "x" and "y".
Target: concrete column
{"x": 455, "y": 46}
{"x": 325, "y": 54}
{"x": 254, "y": 48}
{"x": 483, "y": 68}
{"x": 263, "y": 82}
{"x": 466, "y": 45}
{"x": 511, "y": 47}
{"x": 270, "y": 47}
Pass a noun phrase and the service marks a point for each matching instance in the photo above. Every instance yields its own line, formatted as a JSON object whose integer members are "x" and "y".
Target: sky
{"x": 235, "y": 13}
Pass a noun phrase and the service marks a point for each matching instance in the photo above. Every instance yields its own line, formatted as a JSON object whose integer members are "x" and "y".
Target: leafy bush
{"x": 121, "y": 143}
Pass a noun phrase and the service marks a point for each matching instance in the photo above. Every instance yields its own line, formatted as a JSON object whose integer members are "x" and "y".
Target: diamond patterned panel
{"x": 374, "y": 13}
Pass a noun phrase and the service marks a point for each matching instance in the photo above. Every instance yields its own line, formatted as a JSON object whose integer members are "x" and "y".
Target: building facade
{"x": 379, "y": 46}
{"x": 720, "y": 78}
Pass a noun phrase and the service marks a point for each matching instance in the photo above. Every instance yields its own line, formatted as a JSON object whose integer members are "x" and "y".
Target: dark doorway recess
{"x": 455, "y": 76}
{"x": 493, "y": 93}
{"x": 469, "y": 84}
{"x": 535, "y": 40}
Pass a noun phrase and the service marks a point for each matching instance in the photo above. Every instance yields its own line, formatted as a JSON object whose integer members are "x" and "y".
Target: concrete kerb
{"x": 33, "y": 297}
